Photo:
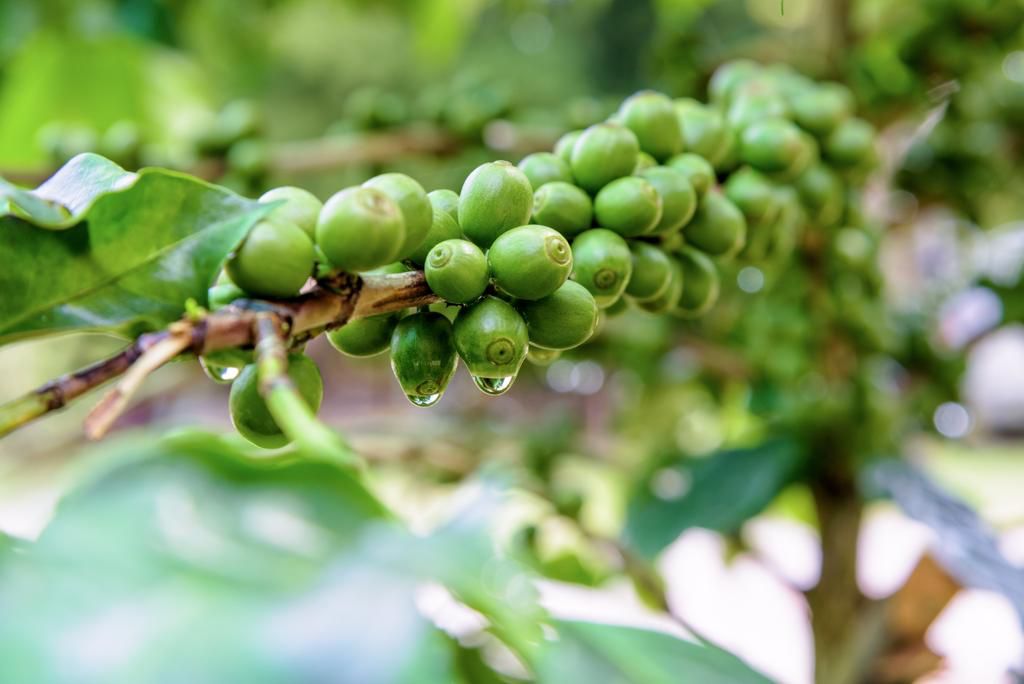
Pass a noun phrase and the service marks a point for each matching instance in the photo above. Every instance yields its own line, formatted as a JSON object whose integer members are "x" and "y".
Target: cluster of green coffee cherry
{"x": 626, "y": 212}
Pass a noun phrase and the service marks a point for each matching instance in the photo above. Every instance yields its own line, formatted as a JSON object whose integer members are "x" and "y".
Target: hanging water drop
{"x": 219, "y": 374}
{"x": 494, "y": 386}
{"x": 424, "y": 400}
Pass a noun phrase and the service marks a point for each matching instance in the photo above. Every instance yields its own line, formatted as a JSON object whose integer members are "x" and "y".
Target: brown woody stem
{"x": 330, "y": 305}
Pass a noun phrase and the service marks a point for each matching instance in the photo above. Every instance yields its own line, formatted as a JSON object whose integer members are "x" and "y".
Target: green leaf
{"x": 610, "y": 654}
{"x": 139, "y": 246}
{"x": 719, "y": 492}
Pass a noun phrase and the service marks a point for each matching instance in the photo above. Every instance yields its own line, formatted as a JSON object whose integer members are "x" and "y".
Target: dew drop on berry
{"x": 219, "y": 374}
{"x": 424, "y": 400}
{"x": 494, "y": 386}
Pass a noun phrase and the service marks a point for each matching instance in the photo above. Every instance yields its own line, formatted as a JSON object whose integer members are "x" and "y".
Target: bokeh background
{"x": 326, "y": 93}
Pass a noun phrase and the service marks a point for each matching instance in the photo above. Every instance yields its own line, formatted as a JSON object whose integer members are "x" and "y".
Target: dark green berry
{"x": 698, "y": 171}
{"x": 530, "y": 262}
{"x": 678, "y": 198}
{"x": 496, "y": 197}
{"x": 564, "y": 207}
{"x": 669, "y": 298}
{"x": 718, "y": 228}
{"x": 753, "y": 194}
{"x": 850, "y": 143}
{"x": 301, "y": 207}
{"x": 821, "y": 191}
{"x": 491, "y": 338}
{"x": 771, "y": 145}
{"x": 603, "y": 264}
{"x": 411, "y": 198}
{"x": 364, "y": 336}
{"x": 360, "y": 229}
{"x": 545, "y": 167}
{"x": 700, "y": 283}
{"x": 564, "y": 319}
{"x": 423, "y": 356}
{"x": 603, "y": 153}
{"x": 630, "y": 206}
{"x": 652, "y": 271}
{"x": 651, "y": 117}
{"x": 249, "y": 412}
{"x": 457, "y": 271}
{"x": 274, "y": 260}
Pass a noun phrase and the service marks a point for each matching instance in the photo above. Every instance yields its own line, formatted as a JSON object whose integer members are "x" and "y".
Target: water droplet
{"x": 219, "y": 374}
{"x": 424, "y": 399}
{"x": 494, "y": 386}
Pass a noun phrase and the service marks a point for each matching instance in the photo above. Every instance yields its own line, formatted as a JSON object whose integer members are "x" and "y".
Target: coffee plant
{"x": 641, "y": 222}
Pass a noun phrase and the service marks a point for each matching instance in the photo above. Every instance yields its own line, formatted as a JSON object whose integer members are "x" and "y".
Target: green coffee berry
{"x": 496, "y": 197}
{"x": 564, "y": 207}
{"x": 821, "y": 191}
{"x": 704, "y": 130}
{"x": 850, "y": 143}
{"x": 771, "y": 145}
{"x": 564, "y": 319}
{"x": 274, "y": 260}
{"x": 678, "y": 198}
{"x": 701, "y": 283}
{"x": 445, "y": 201}
{"x": 752, "y": 104}
{"x": 620, "y": 307}
{"x": 564, "y": 145}
{"x": 753, "y": 194}
{"x": 698, "y": 171}
{"x": 718, "y": 228}
{"x": 603, "y": 153}
{"x": 669, "y": 298}
{"x": 644, "y": 161}
{"x": 807, "y": 156}
{"x": 249, "y": 412}
{"x": 821, "y": 109}
{"x": 457, "y": 271}
{"x": 492, "y": 339}
{"x": 423, "y": 356}
{"x": 651, "y": 117}
{"x": 542, "y": 357}
{"x": 443, "y": 227}
{"x": 301, "y": 207}
{"x": 364, "y": 336}
{"x": 530, "y": 262}
{"x": 545, "y": 167}
{"x": 729, "y": 76}
{"x": 411, "y": 198}
{"x": 603, "y": 264}
{"x": 652, "y": 271}
{"x": 222, "y": 294}
{"x": 360, "y": 229}
{"x": 630, "y": 206}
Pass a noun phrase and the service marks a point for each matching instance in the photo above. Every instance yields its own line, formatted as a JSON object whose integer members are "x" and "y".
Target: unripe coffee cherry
{"x": 704, "y": 130}
{"x": 754, "y": 195}
{"x": 545, "y": 167}
{"x": 496, "y": 197}
{"x": 822, "y": 108}
{"x": 412, "y": 201}
{"x": 423, "y": 356}
{"x": 652, "y": 271}
{"x": 492, "y": 339}
{"x": 850, "y": 143}
{"x": 771, "y": 145}
{"x": 753, "y": 103}
{"x": 718, "y": 228}
{"x": 603, "y": 153}
{"x": 644, "y": 161}
{"x": 651, "y": 117}
{"x": 249, "y": 412}
{"x": 808, "y": 156}
{"x": 301, "y": 207}
{"x": 678, "y": 198}
{"x": 274, "y": 260}
{"x": 629, "y": 206}
{"x": 222, "y": 294}
{"x": 564, "y": 319}
{"x": 698, "y": 171}
{"x": 364, "y": 336}
{"x": 564, "y": 145}
{"x": 442, "y": 227}
{"x": 728, "y": 77}
{"x": 564, "y": 207}
{"x": 457, "y": 271}
{"x": 700, "y": 283}
{"x": 603, "y": 264}
{"x": 669, "y": 298}
{"x": 360, "y": 229}
{"x": 530, "y": 262}
{"x": 445, "y": 201}
{"x": 821, "y": 191}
